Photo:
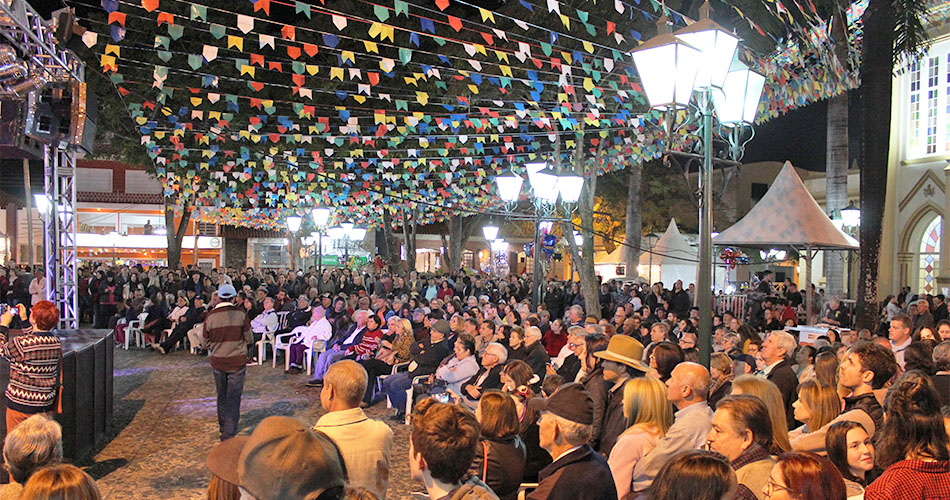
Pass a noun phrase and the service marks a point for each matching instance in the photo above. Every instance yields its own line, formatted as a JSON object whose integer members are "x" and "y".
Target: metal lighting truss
{"x": 34, "y": 39}
{"x": 60, "y": 234}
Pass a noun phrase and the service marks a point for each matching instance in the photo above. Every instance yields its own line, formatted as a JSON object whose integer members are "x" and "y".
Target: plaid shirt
{"x": 912, "y": 480}
{"x": 34, "y": 361}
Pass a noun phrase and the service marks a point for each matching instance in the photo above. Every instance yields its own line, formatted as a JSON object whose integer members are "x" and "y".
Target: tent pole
{"x": 809, "y": 298}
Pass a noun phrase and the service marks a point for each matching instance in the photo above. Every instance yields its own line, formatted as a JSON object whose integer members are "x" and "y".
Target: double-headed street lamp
{"x": 321, "y": 216}
{"x": 346, "y": 232}
{"x": 546, "y": 188}
{"x": 701, "y": 57}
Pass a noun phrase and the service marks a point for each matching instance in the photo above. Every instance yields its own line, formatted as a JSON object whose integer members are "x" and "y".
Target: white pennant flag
{"x": 245, "y": 23}
{"x": 209, "y": 52}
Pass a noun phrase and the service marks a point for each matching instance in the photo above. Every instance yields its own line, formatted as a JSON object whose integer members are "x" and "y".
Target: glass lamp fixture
{"x": 851, "y": 216}
{"x": 509, "y": 187}
{"x": 716, "y": 45}
{"x": 490, "y": 232}
{"x": 738, "y": 101}
{"x": 321, "y": 216}
{"x": 570, "y": 186}
{"x": 358, "y": 233}
{"x": 336, "y": 233}
{"x": 667, "y": 67}
{"x": 499, "y": 246}
{"x": 533, "y": 168}
{"x": 544, "y": 184}
{"x": 578, "y": 238}
{"x": 293, "y": 223}
{"x": 347, "y": 228}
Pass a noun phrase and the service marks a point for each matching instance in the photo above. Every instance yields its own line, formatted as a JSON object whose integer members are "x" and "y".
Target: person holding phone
{"x": 35, "y": 358}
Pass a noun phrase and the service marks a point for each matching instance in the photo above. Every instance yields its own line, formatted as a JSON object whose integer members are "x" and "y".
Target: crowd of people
{"x": 554, "y": 400}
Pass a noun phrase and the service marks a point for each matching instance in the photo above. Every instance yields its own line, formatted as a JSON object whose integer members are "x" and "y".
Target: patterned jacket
{"x": 227, "y": 334}
{"x": 34, "y": 370}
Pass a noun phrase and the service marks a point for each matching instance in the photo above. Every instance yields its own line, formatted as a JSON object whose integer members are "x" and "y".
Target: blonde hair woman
{"x": 817, "y": 404}
{"x": 768, "y": 393}
{"x": 649, "y": 415}
{"x": 61, "y": 482}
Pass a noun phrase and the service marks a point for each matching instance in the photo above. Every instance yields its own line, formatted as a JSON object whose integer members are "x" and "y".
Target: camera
{"x": 443, "y": 397}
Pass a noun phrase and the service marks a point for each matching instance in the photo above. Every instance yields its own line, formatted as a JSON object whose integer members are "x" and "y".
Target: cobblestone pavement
{"x": 165, "y": 423}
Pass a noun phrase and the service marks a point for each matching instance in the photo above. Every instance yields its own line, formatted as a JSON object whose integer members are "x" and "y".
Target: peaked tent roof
{"x": 671, "y": 248}
{"x": 786, "y": 216}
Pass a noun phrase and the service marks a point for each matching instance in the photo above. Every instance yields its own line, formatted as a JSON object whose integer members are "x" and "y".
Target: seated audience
{"x": 694, "y": 475}
{"x": 577, "y": 472}
{"x": 648, "y": 417}
{"x": 501, "y": 454}
{"x": 768, "y": 393}
{"x": 620, "y": 361}
{"x": 36, "y": 443}
{"x": 489, "y": 375}
{"x": 867, "y": 367}
{"x": 282, "y": 459}
{"x": 912, "y": 448}
{"x": 442, "y": 444}
{"x": 720, "y": 372}
{"x": 816, "y": 406}
{"x": 800, "y": 475}
{"x": 688, "y": 388}
{"x": 317, "y": 329}
{"x": 742, "y": 432}
{"x": 777, "y": 349}
{"x": 60, "y": 482}
{"x": 426, "y": 357}
{"x": 393, "y": 349}
{"x": 364, "y": 443}
{"x": 851, "y": 451}
{"x": 535, "y": 354}
{"x": 593, "y": 381}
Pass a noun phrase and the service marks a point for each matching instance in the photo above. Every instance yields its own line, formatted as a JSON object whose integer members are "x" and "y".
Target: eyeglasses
{"x": 771, "y": 486}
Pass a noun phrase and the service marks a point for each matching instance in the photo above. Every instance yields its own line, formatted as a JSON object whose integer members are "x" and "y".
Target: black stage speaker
{"x": 13, "y": 142}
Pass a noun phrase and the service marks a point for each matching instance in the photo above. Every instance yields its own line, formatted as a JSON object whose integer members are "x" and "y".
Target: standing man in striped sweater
{"x": 34, "y": 358}
{"x": 227, "y": 335}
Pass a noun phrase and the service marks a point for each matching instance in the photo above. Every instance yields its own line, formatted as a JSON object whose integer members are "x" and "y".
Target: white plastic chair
{"x": 135, "y": 328}
{"x": 525, "y": 489}
{"x": 268, "y": 338}
{"x": 398, "y": 367}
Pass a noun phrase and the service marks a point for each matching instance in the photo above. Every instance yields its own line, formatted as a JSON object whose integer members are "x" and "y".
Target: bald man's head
{"x": 696, "y": 377}
{"x": 347, "y": 378}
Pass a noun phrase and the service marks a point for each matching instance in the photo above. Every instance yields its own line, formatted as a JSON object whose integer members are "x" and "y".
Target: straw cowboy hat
{"x": 625, "y": 350}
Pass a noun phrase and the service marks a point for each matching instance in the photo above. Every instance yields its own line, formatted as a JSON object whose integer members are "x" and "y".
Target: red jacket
{"x": 912, "y": 480}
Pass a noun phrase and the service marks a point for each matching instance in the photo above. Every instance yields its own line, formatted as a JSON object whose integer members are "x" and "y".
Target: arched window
{"x": 929, "y": 257}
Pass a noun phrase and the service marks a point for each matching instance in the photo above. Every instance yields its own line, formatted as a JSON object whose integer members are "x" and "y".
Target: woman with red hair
{"x": 35, "y": 358}
{"x": 802, "y": 475}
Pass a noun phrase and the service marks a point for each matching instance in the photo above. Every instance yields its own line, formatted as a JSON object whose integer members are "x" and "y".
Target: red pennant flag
{"x": 293, "y": 51}
{"x": 257, "y": 59}
{"x": 275, "y": 66}
{"x": 288, "y": 32}
{"x": 455, "y": 23}
{"x": 373, "y": 78}
{"x": 442, "y": 4}
{"x": 165, "y": 17}
{"x": 257, "y": 86}
{"x": 117, "y": 17}
{"x": 490, "y": 40}
{"x": 262, "y": 5}
{"x": 298, "y": 80}
{"x": 310, "y": 49}
{"x": 149, "y": 5}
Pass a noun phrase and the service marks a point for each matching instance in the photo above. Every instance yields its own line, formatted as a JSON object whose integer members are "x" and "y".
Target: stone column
{"x": 943, "y": 272}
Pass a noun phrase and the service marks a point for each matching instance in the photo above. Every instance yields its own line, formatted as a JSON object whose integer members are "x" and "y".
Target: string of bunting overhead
{"x": 264, "y": 108}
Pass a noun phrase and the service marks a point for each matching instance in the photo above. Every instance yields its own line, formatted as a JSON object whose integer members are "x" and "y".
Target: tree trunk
{"x": 174, "y": 235}
{"x": 634, "y": 222}
{"x": 446, "y": 251}
{"x": 836, "y": 165}
{"x": 585, "y": 208}
{"x": 384, "y": 244}
{"x": 409, "y": 237}
{"x": 460, "y": 230}
{"x": 876, "y": 82}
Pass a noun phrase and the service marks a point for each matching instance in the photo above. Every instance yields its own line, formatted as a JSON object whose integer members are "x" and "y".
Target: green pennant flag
{"x": 164, "y": 55}
{"x": 217, "y": 30}
{"x": 161, "y": 41}
{"x": 176, "y": 31}
{"x": 199, "y": 12}
{"x": 302, "y": 8}
{"x": 382, "y": 13}
{"x": 401, "y": 7}
{"x": 194, "y": 61}
{"x": 405, "y": 55}
{"x": 438, "y": 40}
{"x": 402, "y": 105}
{"x": 583, "y": 16}
{"x": 591, "y": 29}
{"x": 116, "y": 78}
{"x": 546, "y": 48}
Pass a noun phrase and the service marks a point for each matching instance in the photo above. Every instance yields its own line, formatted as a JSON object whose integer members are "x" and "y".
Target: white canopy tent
{"x": 787, "y": 217}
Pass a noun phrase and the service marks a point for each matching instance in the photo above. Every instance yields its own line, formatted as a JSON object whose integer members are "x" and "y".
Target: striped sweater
{"x": 227, "y": 334}
{"x": 34, "y": 361}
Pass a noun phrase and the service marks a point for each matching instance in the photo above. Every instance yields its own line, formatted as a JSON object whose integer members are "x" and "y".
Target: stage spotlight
{"x": 23, "y": 88}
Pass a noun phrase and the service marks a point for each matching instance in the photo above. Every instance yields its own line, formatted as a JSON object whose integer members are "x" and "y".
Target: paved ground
{"x": 165, "y": 422}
